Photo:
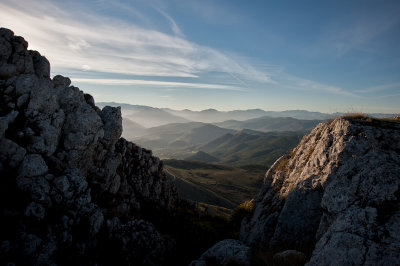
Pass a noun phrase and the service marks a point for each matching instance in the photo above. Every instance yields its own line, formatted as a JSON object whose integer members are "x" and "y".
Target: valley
{"x": 214, "y": 184}
{"x": 215, "y": 158}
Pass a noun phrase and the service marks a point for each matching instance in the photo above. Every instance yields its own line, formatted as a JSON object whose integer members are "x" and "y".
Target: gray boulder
{"x": 225, "y": 252}
{"x": 335, "y": 198}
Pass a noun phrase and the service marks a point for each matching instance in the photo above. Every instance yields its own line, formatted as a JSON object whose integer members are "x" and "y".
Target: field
{"x": 215, "y": 184}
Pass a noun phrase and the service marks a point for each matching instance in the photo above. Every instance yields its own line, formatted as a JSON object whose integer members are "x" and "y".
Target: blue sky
{"x": 328, "y": 56}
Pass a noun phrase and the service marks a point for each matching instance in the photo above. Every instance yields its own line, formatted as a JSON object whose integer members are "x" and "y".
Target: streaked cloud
{"x": 301, "y": 84}
{"x": 380, "y": 88}
{"x": 166, "y": 84}
{"x": 89, "y": 39}
{"x": 107, "y": 44}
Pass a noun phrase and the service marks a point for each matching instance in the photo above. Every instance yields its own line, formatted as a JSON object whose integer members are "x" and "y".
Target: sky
{"x": 327, "y": 56}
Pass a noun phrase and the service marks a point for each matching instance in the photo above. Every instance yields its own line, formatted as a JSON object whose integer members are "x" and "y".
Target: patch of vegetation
{"x": 187, "y": 165}
{"x": 389, "y": 122}
{"x": 220, "y": 185}
{"x": 244, "y": 148}
{"x": 283, "y": 163}
{"x": 359, "y": 116}
{"x": 243, "y": 210}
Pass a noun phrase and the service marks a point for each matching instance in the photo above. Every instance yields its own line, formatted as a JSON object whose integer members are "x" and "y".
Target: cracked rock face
{"x": 336, "y": 197}
{"x": 61, "y": 161}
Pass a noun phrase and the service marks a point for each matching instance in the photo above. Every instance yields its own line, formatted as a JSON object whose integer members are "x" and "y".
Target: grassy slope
{"x": 251, "y": 149}
{"x": 213, "y": 184}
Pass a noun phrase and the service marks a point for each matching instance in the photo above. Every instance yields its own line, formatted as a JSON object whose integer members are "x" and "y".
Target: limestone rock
{"x": 334, "y": 197}
{"x": 225, "y": 252}
{"x": 70, "y": 187}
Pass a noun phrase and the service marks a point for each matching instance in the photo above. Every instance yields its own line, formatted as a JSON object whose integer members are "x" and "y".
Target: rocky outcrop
{"x": 225, "y": 252}
{"x": 335, "y": 198}
{"x": 70, "y": 186}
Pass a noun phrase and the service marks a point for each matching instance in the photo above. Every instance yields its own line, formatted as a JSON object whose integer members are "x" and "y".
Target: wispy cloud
{"x": 167, "y": 84}
{"x": 89, "y": 38}
{"x": 108, "y": 44}
{"x": 301, "y": 84}
{"x": 380, "y": 88}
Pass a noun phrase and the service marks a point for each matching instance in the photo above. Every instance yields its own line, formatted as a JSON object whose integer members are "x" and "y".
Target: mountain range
{"x": 151, "y": 117}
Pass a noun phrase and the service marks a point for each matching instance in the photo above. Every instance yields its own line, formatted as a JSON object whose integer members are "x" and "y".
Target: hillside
{"x": 214, "y": 184}
{"x": 131, "y": 129}
{"x": 333, "y": 200}
{"x": 180, "y": 135}
{"x": 229, "y": 146}
{"x": 248, "y": 147}
{"x": 267, "y": 123}
{"x": 202, "y": 157}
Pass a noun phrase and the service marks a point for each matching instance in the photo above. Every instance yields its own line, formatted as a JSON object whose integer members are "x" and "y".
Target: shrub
{"x": 244, "y": 209}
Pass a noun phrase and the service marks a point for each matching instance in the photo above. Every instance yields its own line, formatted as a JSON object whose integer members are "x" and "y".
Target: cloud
{"x": 380, "y": 88}
{"x": 289, "y": 81}
{"x": 88, "y": 40}
{"x": 166, "y": 84}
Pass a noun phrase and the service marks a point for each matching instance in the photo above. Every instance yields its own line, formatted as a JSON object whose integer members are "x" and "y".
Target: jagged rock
{"x": 334, "y": 197}
{"x": 225, "y": 252}
{"x": 112, "y": 120}
{"x": 68, "y": 179}
{"x": 41, "y": 65}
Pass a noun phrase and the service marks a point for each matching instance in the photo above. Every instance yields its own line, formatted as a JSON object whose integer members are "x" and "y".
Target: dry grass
{"x": 387, "y": 122}
{"x": 283, "y": 163}
{"x": 359, "y": 116}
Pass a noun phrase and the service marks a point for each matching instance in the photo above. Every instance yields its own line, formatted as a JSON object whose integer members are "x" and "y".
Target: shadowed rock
{"x": 61, "y": 158}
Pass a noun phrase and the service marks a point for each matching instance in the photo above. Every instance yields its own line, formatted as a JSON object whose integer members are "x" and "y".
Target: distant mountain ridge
{"x": 215, "y": 116}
